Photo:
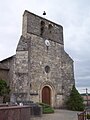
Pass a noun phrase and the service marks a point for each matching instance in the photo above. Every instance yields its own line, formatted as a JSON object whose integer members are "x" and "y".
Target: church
{"x": 41, "y": 70}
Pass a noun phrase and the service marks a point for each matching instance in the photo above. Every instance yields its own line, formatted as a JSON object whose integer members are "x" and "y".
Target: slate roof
{"x": 3, "y": 67}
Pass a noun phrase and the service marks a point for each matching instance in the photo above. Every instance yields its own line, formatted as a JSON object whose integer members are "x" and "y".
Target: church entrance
{"x": 46, "y": 95}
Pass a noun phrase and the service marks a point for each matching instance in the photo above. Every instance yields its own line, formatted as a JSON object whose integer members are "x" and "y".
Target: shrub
{"x": 46, "y": 108}
{"x": 88, "y": 116}
{"x": 75, "y": 101}
{"x": 4, "y": 89}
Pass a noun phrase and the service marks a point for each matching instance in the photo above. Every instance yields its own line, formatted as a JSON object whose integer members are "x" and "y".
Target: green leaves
{"x": 75, "y": 101}
{"x": 4, "y": 89}
{"x": 46, "y": 108}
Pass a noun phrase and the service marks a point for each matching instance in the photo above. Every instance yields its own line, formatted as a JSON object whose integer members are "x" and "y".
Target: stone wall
{"x": 4, "y": 75}
{"x": 15, "y": 113}
{"x": 8, "y": 70}
{"x": 61, "y": 69}
{"x": 39, "y": 26}
{"x": 67, "y": 75}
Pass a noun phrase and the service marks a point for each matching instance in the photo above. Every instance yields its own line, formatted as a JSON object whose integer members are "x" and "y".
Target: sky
{"x": 73, "y": 15}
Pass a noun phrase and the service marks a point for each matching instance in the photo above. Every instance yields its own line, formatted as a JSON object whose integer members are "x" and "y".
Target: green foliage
{"x": 75, "y": 101}
{"x": 88, "y": 116}
{"x": 46, "y": 108}
{"x": 4, "y": 89}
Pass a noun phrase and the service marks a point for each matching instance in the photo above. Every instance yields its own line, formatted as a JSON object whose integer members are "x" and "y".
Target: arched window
{"x": 50, "y": 28}
{"x": 42, "y": 27}
{"x": 47, "y": 69}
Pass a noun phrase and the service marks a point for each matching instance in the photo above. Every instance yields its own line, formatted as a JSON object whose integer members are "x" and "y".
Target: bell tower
{"x": 33, "y": 24}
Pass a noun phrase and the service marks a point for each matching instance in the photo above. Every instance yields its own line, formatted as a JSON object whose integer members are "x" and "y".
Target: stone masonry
{"x": 41, "y": 71}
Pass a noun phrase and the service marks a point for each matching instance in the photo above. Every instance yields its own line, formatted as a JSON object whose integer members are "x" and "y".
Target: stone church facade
{"x": 40, "y": 71}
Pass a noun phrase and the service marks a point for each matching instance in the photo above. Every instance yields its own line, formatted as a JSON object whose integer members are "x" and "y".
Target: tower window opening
{"x": 42, "y": 27}
{"x": 50, "y": 28}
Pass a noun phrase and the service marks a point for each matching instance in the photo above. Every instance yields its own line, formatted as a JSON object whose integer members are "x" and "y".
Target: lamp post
{"x": 87, "y": 96}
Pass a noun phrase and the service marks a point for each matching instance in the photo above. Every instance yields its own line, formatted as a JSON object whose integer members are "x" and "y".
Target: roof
{"x": 84, "y": 94}
{"x": 3, "y": 67}
{"x": 7, "y": 59}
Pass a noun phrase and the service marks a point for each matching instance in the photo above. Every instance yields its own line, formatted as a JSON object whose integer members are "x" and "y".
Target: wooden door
{"x": 46, "y": 95}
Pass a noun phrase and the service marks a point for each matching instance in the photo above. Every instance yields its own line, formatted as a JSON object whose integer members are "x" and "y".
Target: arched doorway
{"x": 46, "y": 95}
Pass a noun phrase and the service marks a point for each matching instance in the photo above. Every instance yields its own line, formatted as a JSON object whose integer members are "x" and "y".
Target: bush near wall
{"x": 4, "y": 90}
{"x": 75, "y": 101}
{"x": 46, "y": 108}
{"x": 88, "y": 116}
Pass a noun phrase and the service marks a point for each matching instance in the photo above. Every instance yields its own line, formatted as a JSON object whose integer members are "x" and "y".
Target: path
{"x": 59, "y": 115}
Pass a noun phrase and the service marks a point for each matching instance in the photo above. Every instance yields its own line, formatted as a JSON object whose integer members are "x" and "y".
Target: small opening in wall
{"x": 50, "y": 28}
{"x": 47, "y": 48}
{"x": 42, "y": 27}
{"x": 47, "y": 69}
{"x": 30, "y": 85}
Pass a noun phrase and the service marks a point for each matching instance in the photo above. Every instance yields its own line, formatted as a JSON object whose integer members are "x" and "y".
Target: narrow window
{"x": 50, "y": 28}
{"x": 42, "y": 27}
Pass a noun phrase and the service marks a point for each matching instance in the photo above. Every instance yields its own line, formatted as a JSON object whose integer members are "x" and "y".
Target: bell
{"x": 44, "y": 13}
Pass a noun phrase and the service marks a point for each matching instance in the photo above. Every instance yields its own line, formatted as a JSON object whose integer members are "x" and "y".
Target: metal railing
{"x": 85, "y": 115}
{"x": 82, "y": 116}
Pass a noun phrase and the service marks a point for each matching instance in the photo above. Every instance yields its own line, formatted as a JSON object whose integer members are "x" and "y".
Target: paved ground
{"x": 59, "y": 115}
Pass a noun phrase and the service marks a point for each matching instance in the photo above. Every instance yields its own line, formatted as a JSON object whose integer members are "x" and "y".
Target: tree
{"x": 4, "y": 89}
{"x": 75, "y": 101}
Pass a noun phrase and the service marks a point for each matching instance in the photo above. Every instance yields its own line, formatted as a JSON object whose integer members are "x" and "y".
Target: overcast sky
{"x": 73, "y": 15}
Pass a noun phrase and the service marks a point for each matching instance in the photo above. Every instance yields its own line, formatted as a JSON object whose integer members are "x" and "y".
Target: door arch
{"x": 46, "y": 95}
